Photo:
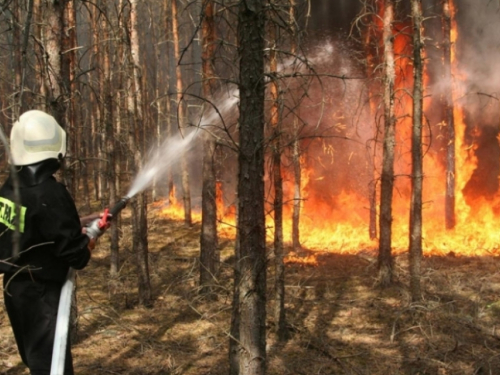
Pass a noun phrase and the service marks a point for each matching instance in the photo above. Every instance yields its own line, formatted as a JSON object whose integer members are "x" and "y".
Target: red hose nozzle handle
{"x": 105, "y": 219}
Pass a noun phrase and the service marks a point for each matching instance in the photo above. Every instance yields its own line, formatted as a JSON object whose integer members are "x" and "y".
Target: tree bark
{"x": 181, "y": 113}
{"x": 139, "y": 212}
{"x": 96, "y": 105}
{"x": 385, "y": 260}
{"x": 373, "y": 87}
{"x": 24, "y": 53}
{"x": 209, "y": 254}
{"x": 279, "y": 266}
{"x": 53, "y": 31}
{"x": 109, "y": 141}
{"x": 235, "y": 348}
{"x": 17, "y": 60}
{"x": 449, "y": 119}
{"x": 70, "y": 66}
{"x": 297, "y": 170}
{"x": 416, "y": 153}
{"x": 251, "y": 219}
{"x": 168, "y": 105}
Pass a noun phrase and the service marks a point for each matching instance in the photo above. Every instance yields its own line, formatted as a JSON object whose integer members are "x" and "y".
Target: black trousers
{"x": 32, "y": 309}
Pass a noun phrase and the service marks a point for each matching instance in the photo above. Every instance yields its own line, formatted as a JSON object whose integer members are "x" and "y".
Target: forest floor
{"x": 339, "y": 323}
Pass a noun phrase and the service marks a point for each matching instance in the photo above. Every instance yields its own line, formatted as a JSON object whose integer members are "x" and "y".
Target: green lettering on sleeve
{"x": 8, "y": 213}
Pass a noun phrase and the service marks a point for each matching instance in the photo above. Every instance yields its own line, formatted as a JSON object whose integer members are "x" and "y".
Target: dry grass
{"x": 339, "y": 323}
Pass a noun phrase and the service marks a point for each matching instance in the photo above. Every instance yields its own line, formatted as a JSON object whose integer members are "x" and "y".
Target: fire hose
{"x": 94, "y": 230}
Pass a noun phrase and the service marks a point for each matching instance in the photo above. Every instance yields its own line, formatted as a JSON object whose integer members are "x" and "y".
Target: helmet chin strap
{"x": 34, "y": 174}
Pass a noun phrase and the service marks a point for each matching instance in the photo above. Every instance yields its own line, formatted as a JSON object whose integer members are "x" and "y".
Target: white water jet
{"x": 170, "y": 152}
{"x": 161, "y": 159}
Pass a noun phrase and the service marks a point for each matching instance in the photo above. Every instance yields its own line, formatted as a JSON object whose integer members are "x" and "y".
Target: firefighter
{"x": 51, "y": 239}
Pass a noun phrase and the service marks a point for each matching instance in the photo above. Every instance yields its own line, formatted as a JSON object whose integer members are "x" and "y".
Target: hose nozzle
{"x": 120, "y": 205}
{"x": 96, "y": 228}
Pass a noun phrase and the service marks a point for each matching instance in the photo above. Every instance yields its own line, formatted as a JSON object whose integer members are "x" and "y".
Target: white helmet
{"x": 35, "y": 137}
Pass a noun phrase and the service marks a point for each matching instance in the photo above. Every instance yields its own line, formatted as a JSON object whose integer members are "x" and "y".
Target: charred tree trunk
{"x": 372, "y": 58}
{"x": 17, "y": 60}
{"x": 168, "y": 104}
{"x": 251, "y": 219}
{"x": 70, "y": 66}
{"x": 52, "y": 34}
{"x": 40, "y": 62}
{"x": 297, "y": 172}
{"x": 449, "y": 119}
{"x": 181, "y": 113}
{"x": 56, "y": 72}
{"x": 416, "y": 155}
{"x": 24, "y": 55}
{"x": 235, "y": 348}
{"x": 279, "y": 266}
{"x": 209, "y": 253}
{"x": 297, "y": 189}
{"x": 385, "y": 260}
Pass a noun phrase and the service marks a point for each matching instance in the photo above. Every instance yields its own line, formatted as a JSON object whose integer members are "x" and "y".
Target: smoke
{"x": 478, "y": 44}
{"x": 478, "y": 55}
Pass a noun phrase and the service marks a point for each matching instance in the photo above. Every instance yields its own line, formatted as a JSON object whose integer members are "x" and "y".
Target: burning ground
{"x": 338, "y": 322}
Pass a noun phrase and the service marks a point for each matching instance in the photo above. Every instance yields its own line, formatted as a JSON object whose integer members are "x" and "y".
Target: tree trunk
{"x": 109, "y": 140}
{"x": 385, "y": 261}
{"x": 449, "y": 119}
{"x": 416, "y": 155}
{"x": 168, "y": 104}
{"x": 24, "y": 54}
{"x": 373, "y": 87}
{"x": 101, "y": 135}
{"x": 17, "y": 60}
{"x": 181, "y": 113}
{"x": 235, "y": 348}
{"x": 209, "y": 253}
{"x": 56, "y": 74}
{"x": 139, "y": 212}
{"x": 53, "y": 31}
{"x": 297, "y": 189}
{"x": 297, "y": 172}
{"x": 97, "y": 146}
{"x": 158, "y": 88}
{"x": 70, "y": 66}
{"x": 275, "y": 119}
{"x": 251, "y": 219}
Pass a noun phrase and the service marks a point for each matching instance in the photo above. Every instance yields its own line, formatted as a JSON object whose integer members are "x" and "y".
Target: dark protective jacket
{"x": 51, "y": 233}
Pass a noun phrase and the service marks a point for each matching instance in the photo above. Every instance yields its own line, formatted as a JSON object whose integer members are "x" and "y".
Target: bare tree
{"x": 416, "y": 153}
{"x": 52, "y": 34}
{"x": 109, "y": 134}
{"x": 251, "y": 220}
{"x": 275, "y": 122}
{"x": 70, "y": 67}
{"x": 209, "y": 254}
{"x": 385, "y": 260}
{"x": 181, "y": 114}
{"x": 136, "y": 136}
{"x": 448, "y": 118}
